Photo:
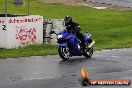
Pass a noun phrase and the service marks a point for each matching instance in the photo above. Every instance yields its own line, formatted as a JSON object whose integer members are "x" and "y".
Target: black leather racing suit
{"x": 75, "y": 29}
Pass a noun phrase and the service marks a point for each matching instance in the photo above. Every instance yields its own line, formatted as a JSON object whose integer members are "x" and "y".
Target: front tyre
{"x": 88, "y": 53}
{"x": 64, "y": 53}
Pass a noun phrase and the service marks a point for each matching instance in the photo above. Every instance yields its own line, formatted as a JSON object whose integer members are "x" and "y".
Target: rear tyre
{"x": 64, "y": 53}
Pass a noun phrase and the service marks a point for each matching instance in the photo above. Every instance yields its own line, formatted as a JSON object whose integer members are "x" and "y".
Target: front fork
{"x": 91, "y": 44}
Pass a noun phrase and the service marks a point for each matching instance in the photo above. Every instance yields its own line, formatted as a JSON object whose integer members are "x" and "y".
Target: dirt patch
{"x": 61, "y": 1}
{"x": 89, "y": 3}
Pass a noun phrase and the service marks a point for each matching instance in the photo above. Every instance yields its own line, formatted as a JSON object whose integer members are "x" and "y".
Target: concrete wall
{"x": 53, "y": 24}
{"x": 3, "y": 32}
{"x": 21, "y": 31}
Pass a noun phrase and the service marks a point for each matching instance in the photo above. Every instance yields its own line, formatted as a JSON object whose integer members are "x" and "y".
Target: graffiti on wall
{"x": 2, "y": 21}
{"x": 24, "y": 20}
{"x": 25, "y": 35}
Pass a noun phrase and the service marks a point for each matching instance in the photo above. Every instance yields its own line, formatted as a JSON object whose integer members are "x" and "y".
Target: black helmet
{"x": 68, "y": 19}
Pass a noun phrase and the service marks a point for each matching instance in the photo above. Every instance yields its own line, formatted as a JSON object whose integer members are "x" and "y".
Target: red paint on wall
{"x": 26, "y": 36}
{"x": 2, "y": 21}
{"x": 24, "y": 20}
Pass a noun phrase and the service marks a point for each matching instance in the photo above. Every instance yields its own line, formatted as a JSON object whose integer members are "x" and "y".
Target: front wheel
{"x": 64, "y": 53}
{"x": 88, "y": 53}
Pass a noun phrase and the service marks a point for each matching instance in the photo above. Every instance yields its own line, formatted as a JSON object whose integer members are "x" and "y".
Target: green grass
{"x": 31, "y": 50}
{"x": 110, "y": 28}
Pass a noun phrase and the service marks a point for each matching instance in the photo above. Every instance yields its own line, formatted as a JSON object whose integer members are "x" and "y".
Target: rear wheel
{"x": 64, "y": 53}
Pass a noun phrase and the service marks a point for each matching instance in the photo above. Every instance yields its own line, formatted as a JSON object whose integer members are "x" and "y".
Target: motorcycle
{"x": 69, "y": 45}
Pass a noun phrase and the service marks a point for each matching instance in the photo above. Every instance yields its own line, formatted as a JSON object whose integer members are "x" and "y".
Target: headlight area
{"x": 59, "y": 36}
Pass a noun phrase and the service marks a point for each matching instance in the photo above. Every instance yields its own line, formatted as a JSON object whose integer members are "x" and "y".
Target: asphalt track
{"x": 51, "y": 72}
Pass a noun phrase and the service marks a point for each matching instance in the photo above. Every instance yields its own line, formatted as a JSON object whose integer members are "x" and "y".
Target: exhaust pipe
{"x": 91, "y": 44}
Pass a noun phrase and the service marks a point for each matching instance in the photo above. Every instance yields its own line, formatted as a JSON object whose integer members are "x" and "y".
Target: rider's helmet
{"x": 68, "y": 19}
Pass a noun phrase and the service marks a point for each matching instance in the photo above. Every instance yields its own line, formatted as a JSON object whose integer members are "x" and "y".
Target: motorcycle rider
{"x": 74, "y": 28}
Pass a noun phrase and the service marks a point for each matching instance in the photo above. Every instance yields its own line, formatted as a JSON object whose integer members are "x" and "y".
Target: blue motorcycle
{"x": 70, "y": 45}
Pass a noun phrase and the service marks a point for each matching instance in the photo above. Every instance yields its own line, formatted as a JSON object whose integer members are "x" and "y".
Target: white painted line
{"x": 99, "y": 55}
{"x": 115, "y": 56}
{"x": 128, "y": 57}
{"x": 38, "y": 78}
{"x": 100, "y": 7}
{"x": 106, "y": 50}
{"x": 130, "y": 70}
